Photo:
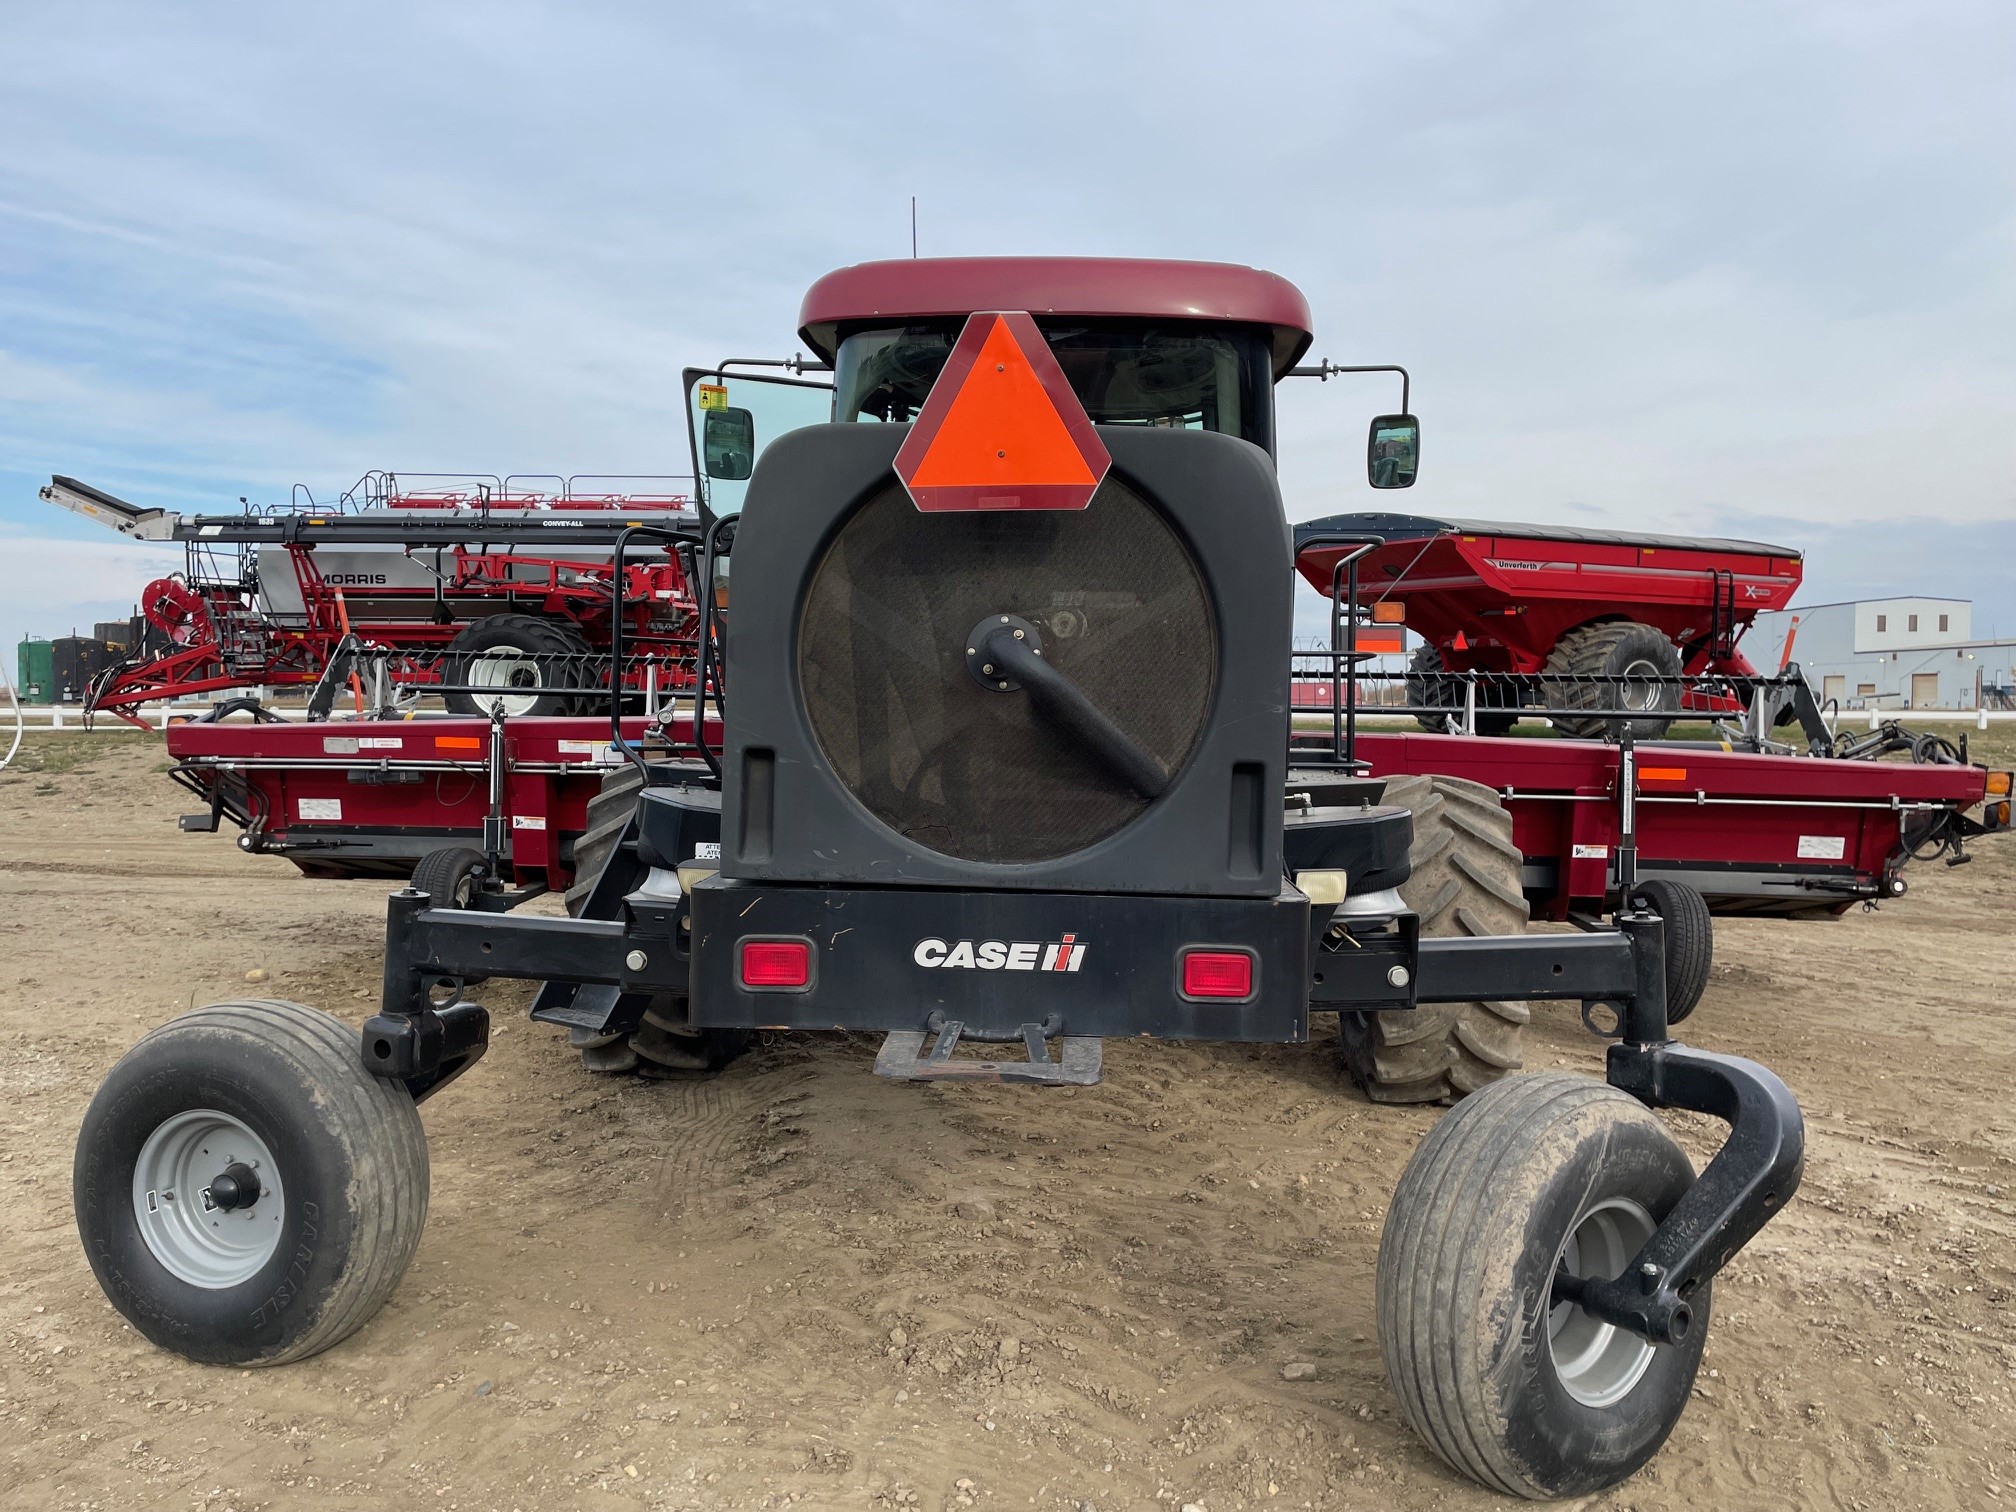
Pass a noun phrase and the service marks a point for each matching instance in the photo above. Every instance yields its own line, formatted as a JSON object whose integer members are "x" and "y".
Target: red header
{"x": 1001, "y": 428}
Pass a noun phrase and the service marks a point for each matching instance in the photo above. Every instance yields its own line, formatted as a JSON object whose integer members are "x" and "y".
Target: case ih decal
{"x": 1002, "y": 955}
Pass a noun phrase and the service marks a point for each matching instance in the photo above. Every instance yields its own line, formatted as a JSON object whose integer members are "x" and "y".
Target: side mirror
{"x": 1393, "y": 454}
{"x": 728, "y": 444}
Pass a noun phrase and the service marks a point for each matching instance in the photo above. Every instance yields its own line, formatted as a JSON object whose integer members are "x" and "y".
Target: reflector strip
{"x": 1001, "y": 428}
{"x": 458, "y": 742}
{"x": 1662, "y": 774}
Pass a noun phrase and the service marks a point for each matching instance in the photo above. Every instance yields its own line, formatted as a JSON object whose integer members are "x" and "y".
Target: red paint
{"x": 1116, "y": 288}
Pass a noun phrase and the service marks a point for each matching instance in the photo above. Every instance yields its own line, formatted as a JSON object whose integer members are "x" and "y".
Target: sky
{"x": 1736, "y": 269}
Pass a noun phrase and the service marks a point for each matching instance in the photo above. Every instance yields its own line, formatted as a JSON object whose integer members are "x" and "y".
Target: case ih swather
{"x": 1005, "y": 760}
{"x": 486, "y": 586}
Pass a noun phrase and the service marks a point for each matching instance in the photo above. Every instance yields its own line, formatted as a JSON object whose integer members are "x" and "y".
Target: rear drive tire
{"x": 1595, "y": 667}
{"x": 663, "y": 1046}
{"x": 1430, "y": 685}
{"x": 1465, "y": 879}
{"x": 452, "y": 876}
{"x": 520, "y": 655}
{"x": 1689, "y": 938}
{"x": 247, "y": 1193}
{"x": 1521, "y": 1394}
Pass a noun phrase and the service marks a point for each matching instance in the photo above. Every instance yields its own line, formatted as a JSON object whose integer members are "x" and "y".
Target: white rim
{"x": 1599, "y": 1363}
{"x": 194, "y": 1238}
{"x": 506, "y": 667}
{"x": 1639, "y": 693}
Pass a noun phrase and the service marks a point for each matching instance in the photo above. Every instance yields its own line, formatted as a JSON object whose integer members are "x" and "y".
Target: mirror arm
{"x": 1323, "y": 370}
{"x": 797, "y": 364}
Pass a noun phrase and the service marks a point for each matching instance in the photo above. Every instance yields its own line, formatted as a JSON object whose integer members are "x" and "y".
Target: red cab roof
{"x": 924, "y": 288}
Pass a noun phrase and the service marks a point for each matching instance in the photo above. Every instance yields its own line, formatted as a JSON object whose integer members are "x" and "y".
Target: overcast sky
{"x": 1743, "y": 269}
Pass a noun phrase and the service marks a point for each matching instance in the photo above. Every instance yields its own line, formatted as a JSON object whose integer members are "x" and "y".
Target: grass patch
{"x": 46, "y": 753}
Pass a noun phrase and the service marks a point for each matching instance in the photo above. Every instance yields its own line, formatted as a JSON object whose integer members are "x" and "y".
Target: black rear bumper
{"x": 1093, "y": 964}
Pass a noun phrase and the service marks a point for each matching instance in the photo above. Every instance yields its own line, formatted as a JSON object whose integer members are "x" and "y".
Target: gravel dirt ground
{"x": 798, "y": 1285}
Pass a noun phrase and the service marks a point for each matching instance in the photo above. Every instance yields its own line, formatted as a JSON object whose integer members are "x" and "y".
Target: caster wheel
{"x": 247, "y": 1193}
{"x": 1528, "y": 1178}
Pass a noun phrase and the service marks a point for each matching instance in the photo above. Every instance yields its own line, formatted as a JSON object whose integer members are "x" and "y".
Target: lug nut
{"x": 636, "y": 960}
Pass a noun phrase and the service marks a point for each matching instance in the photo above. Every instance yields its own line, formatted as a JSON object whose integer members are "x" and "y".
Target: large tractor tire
{"x": 247, "y": 1193}
{"x": 1465, "y": 880}
{"x": 522, "y": 658}
{"x": 1529, "y": 1395}
{"x": 1613, "y": 665}
{"x": 663, "y": 1045}
{"x": 1430, "y": 686}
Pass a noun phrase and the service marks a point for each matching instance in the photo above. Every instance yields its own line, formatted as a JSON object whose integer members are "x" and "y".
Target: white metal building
{"x": 1894, "y": 653}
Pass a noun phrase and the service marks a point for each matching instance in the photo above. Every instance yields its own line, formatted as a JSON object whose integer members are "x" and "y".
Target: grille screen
{"x": 1120, "y": 610}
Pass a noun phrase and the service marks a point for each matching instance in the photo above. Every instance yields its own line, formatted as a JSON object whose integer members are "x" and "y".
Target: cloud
{"x": 1681, "y": 269}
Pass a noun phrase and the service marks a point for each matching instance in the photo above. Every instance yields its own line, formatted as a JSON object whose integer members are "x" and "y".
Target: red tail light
{"x": 776, "y": 963}
{"x": 1217, "y": 974}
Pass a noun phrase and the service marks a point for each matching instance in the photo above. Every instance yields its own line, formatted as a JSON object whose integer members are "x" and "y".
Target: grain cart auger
{"x": 1004, "y": 764}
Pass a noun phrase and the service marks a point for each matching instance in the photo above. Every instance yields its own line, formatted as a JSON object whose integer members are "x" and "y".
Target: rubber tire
{"x": 1430, "y": 686}
{"x": 1465, "y": 1274}
{"x": 1464, "y": 879}
{"x": 351, "y": 1152}
{"x": 608, "y": 812}
{"x": 1606, "y": 649}
{"x": 662, "y": 1046}
{"x": 451, "y": 875}
{"x": 539, "y": 638}
{"x": 1690, "y": 941}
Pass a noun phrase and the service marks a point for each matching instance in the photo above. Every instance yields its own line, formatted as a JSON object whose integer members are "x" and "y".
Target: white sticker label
{"x": 382, "y": 743}
{"x": 339, "y": 745}
{"x": 1823, "y": 847}
{"x": 578, "y": 748}
{"x": 1592, "y": 853}
{"x": 528, "y": 821}
{"x": 319, "y": 808}
{"x": 707, "y": 850}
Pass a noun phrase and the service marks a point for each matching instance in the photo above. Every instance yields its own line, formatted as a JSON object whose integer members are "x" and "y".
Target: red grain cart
{"x": 1555, "y": 615}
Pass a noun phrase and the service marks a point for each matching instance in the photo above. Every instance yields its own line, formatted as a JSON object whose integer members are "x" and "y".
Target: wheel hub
{"x": 209, "y": 1199}
{"x": 1599, "y": 1363}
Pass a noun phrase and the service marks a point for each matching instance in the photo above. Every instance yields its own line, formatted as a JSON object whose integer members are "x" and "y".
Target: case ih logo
{"x": 1002, "y": 955}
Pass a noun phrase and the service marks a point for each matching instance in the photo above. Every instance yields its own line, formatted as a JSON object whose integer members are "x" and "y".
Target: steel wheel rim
{"x": 1598, "y": 1363}
{"x": 195, "y": 1240}
{"x": 503, "y": 668}
{"x": 1641, "y": 689}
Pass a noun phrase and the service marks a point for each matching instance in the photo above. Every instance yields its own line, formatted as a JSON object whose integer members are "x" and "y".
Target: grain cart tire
{"x": 247, "y": 1193}
{"x": 663, "y": 1045}
{"x": 1429, "y": 686}
{"x": 518, "y": 655}
{"x": 1464, "y": 880}
{"x": 1690, "y": 941}
{"x": 1595, "y": 667}
{"x": 452, "y": 876}
{"x": 1522, "y": 1394}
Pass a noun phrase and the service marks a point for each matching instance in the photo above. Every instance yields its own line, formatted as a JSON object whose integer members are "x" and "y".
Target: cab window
{"x": 1187, "y": 375}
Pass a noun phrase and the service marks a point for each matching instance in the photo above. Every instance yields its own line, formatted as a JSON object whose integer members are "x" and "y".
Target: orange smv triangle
{"x": 1001, "y": 428}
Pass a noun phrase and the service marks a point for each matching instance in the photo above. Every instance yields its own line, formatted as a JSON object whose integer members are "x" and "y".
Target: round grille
{"x": 974, "y": 773}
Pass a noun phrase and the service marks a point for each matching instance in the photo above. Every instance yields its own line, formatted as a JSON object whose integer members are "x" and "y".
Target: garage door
{"x": 1924, "y": 690}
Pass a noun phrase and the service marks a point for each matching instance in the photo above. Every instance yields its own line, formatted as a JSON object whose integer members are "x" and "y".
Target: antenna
{"x": 913, "y": 225}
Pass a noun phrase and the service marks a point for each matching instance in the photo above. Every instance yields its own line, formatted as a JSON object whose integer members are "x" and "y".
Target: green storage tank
{"x": 35, "y": 671}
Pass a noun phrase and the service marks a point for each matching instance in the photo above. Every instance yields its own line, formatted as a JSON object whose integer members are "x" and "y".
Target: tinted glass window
{"x": 1187, "y": 375}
